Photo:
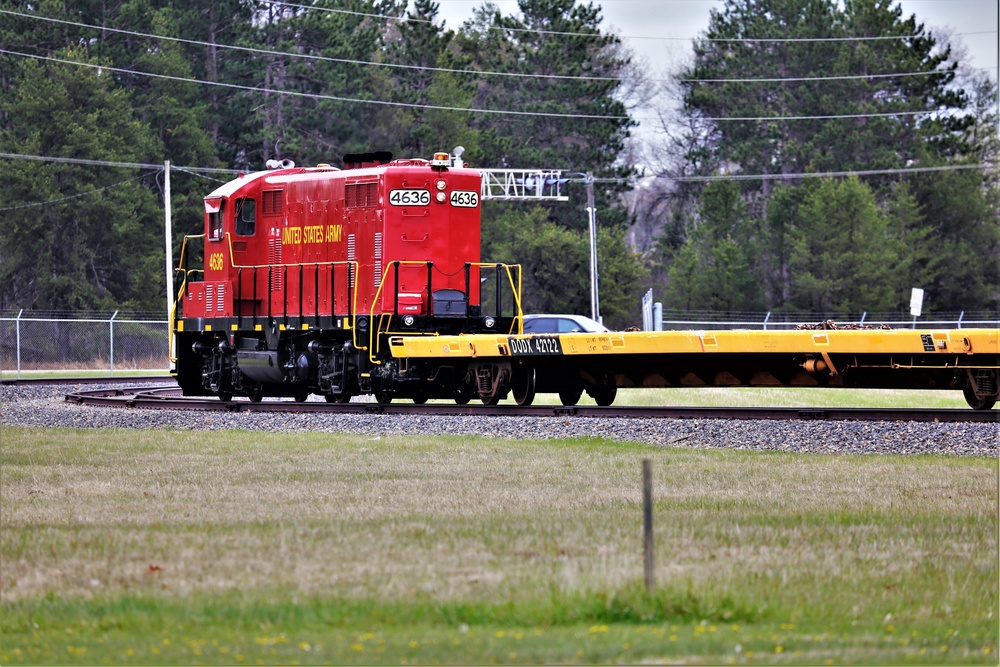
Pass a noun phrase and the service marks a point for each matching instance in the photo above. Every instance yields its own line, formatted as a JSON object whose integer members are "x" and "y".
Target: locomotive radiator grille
{"x": 271, "y": 202}
{"x": 378, "y": 259}
{"x": 361, "y": 195}
{"x": 209, "y": 297}
{"x": 350, "y": 256}
{"x": 273, "y": 259}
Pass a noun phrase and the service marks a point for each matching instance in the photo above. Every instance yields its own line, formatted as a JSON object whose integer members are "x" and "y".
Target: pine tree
{"x": 76, "y": 236}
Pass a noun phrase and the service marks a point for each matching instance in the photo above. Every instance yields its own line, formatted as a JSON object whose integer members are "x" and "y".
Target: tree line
{"x": 234, "y": 83}
{"x": 779, "y": 93}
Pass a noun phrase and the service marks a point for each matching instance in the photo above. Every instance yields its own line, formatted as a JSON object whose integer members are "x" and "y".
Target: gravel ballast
{"x": 45, "y": 406}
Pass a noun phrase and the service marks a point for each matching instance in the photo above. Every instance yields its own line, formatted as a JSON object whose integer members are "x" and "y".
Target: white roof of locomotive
{"x": 309, "y": 173}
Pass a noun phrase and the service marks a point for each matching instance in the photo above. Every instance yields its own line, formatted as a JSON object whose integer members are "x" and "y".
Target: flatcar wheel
{"x": 256, "y": 396}
{"x": 603, "y": 395}
{"x": 462, "y": 400}
{"x": 301, "y": 395}
{"x": 338, "y": 398}
{"x": 570, "y": 395}
{"x": 975, "y": 402}
{"x": 225, "y": 396}
{"x": 524, "y": 386}
{"x": 420, "y": 400}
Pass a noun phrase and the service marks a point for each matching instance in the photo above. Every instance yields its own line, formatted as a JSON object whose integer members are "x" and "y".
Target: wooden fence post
{"x": 647, "y": 521}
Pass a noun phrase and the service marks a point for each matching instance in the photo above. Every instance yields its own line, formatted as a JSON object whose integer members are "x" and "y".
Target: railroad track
{"x": 127, "y": 379}
{"x": 170, "y": 398}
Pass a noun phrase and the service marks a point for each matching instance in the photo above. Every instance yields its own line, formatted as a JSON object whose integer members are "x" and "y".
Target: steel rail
{"x": 134, "y": 379}
{"x": 170, "y": 399}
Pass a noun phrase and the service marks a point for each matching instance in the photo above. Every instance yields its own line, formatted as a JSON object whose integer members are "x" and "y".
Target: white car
{"x": 561, "y": 324}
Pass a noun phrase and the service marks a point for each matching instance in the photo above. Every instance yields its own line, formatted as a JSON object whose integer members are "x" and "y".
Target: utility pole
{"x": 168, "y": 237}
{"x": 595, "y": 305}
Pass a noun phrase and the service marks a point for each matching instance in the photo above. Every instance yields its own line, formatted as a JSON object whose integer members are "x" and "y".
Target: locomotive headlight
{"x": 489, "y": 322}
{"x": 440, "y": 184}
{"x": 408, "y": 320}
{"x": 440, "y": 197}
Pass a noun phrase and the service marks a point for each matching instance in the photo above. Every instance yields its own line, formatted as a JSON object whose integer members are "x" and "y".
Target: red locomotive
{"x": 308, "y": 271}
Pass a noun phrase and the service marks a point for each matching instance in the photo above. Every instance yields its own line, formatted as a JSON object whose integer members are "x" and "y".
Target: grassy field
{"x": 168, "y": 547}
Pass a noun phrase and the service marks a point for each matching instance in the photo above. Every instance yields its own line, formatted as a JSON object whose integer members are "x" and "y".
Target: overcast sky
{"x": 660, "y": 31}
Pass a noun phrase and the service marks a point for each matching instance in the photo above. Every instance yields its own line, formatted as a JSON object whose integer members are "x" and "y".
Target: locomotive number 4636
{"x": 409, "y": 197}
{"x": 465, "y": 198}
{"x": 215, "y": 261}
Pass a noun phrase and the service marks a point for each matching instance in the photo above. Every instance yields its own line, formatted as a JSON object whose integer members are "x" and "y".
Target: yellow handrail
{"x": 373, "y": 342}
{"x": 385, "y": 319}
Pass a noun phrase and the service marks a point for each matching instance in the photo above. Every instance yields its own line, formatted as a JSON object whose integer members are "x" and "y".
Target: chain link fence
{"x": 59, "y": 341}
{"x": 656, "y": 318}
{"x": 766, "y": 321}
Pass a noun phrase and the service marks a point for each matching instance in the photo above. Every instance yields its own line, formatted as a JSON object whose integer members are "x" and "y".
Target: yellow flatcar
{"x": 966, "y": 360}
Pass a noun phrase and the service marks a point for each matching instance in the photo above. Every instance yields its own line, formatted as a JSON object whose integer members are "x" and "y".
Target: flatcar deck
{"x": 962, "y": 359}
{"x": 939, "y": 342}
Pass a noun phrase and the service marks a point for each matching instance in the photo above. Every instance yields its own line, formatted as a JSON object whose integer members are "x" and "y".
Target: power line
{"x": 77, "y": 196}
{"x": 605, "y": 35}
{"x": 444, "y": 108}
{"x": 826, "y": 174}
{"x": 738, "y": 177}
{"x": 307, "y": 56}
{"x": 788, "y": 79}
{"x": 315, "y": 95}
{"x": 424, "y": 68}
{"x": 723, "y": 119}
{"x": 111, "y": 163}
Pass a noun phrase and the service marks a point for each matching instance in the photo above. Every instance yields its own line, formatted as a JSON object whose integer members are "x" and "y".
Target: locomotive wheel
{"x": 570, "y": 395}
{"x": 256, "y": 396}
{"x": 420, "y": 400}
{"x": 383, "y": 397}
{"x": 301, "y": 395}
{"x": 462, "y": 400}
{"x": 975, "y": 402}
{"x": 225, "y": 396}
{"x": 524, "y": 386}
{"x": 494, "y": 399}
{"x": 604, "y": 395}
{"x": 338, "y": 398}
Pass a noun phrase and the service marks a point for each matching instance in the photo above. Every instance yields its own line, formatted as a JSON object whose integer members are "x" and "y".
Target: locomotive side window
{"x": 215, "y": 210}
{"x": 246, "y": 216}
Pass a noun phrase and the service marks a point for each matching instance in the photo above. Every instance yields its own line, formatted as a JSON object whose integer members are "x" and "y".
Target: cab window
{"x": 246, "y": 216}
{"x": 215, "y": 220}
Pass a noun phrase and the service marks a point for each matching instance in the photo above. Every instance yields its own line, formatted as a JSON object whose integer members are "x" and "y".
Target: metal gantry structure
{"x": 545, "y": 185}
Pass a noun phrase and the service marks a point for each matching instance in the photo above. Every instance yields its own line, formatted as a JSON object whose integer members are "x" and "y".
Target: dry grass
{"x": 166, "y": 513}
